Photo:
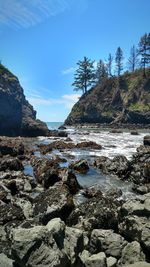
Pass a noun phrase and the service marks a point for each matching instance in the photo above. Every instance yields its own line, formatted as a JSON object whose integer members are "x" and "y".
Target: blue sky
{"x": 41, "y": 41}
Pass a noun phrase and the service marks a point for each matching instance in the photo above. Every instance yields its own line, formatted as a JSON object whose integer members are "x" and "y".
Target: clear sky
{"x": 41, "y": 41}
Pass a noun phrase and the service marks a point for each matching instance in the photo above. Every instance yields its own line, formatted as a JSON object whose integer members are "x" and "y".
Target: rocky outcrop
{"x": 17, "y": 116}
{"x": 115, "y": 101}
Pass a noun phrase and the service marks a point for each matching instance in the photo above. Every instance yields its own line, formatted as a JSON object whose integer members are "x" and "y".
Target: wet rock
{"x": 88, "y": 144}
{"x": 96, "y": 212}
{"x": 13, "y": 164}
{"x": 13, "y": 187}
{"x": 116, "y": 131}
{"x": 134, "y": 133}
{"x": 54, "y": 202}
{"x": 10, "y": 213}
{"x": 132, "y": 253}
{"x": 62, "y": 127}
{"x": 4, "y": 194}
{"x": 62, "y": 134}
{"x": 146, "y": 140}
{"x": 45, "y": 171}
{"x": 107, "y": 241}
{"x": 92, "y": 192}
{"x": 80, "y": 166}
{"x": 142, "y": 189}
{"x": 12, "y": 147}
{"x": 69, "y": 179}
{"x": 119, "y": 165}
{"x": 56, "y": 145}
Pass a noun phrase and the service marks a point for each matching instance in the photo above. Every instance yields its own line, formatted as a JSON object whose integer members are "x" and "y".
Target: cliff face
{"x": 17, "y": 116}
{"x": 126, "y": 100}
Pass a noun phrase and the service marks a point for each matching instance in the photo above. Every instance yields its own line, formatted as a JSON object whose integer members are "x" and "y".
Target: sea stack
{"x": 17, "y": 116}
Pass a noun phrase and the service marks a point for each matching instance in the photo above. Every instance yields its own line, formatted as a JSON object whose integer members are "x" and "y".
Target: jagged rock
{"x": 114, "y": 103}
{"x": 45, "y": 171}
{"x": 80, "y": 166}
{"x": 88, "y": 144}
{"x": 57, "y": 228}
{"x": 119, "y": 165}
{"x": 12, "y": 164}
{"x": 36, "y": 247}
{"x": 132, "y": 253}
{"x": 12, "y": 147}
{"x": 107, "y": 241}
{"x": 69, "y": 179}
{"x": 134, "y": 221}
{"x": 54, "y": 202}
{"x": 96, "y": 212}
{"x": 17, "y": 116}
{"x": 73, "y": 243}
{"x": 95, "y": 260}
{"x": 10, "y": 213}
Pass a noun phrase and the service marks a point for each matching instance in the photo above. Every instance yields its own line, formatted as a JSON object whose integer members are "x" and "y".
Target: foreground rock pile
{"x": 41, "y": 226}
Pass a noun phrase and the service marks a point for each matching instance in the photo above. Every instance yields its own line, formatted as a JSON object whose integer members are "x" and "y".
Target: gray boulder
{"x": 5, "y": 261}
{"x": 107, "y": 241}
{"x": 132, "y": 253}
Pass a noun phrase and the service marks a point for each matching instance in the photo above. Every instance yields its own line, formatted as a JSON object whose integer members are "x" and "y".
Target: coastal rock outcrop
{"x": 17, "y": 116}
{"x": 115, "y": 101}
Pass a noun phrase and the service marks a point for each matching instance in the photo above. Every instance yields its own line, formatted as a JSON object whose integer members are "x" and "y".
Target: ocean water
{"x": 54, "y": 125}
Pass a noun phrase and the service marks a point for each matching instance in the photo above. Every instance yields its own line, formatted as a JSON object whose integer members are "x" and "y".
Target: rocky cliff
{"x": 17, "y": 116}
{"x": 115, "y": 101}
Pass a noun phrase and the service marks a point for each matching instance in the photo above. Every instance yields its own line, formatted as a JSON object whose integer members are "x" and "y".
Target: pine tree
{"x": 133, "y": 60}
{"x": 144, "y": 51}
{"x": 85, "y": 75}
{"x": 109, "y": 65}
{"x": 118, "y": 60}
{"x": 101, "y": 71}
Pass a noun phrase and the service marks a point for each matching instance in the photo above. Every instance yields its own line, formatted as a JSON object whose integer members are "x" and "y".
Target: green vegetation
{"x": 139, "y": 107}
{"x": 86, "y": 75}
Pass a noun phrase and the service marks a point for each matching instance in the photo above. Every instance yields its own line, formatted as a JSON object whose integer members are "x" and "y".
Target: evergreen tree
{"x": 109, "y": 64}
{"x": 144, "y": 51}
{"x": 85, "y": 75}
{"x": 101, "y": 71}
{"x": 133, "y": 60}
{"x": 118, "y": 60}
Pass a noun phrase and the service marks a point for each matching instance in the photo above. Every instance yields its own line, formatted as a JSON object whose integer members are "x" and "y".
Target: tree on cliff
{"x": 101, "y": 71}
{"x": 133, "y": 60}
{"x": 144, "y": 51}
{"x": 109, "y": 64}
{"x": 85, "y": 75}
{"x": 118, "y": 60}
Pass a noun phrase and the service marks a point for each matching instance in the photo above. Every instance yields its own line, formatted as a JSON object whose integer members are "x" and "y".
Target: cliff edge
{"x": 17, "y": 116}
{"x": 124, "y": 100}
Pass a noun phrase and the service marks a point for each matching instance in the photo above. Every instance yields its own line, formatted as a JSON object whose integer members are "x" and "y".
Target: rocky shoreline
{"x": 41, "y": 225}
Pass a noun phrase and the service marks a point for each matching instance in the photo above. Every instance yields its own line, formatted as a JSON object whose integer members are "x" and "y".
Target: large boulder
{"x": 36, "y": 247}
{"x": 132, "y": 253}
{"x": 54, "y": 202}
{"x": 97, "y": 212}
{"x": 134, "y": 221}
{"x": 17, "y": 116}
{"x": 108, "y": 241}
